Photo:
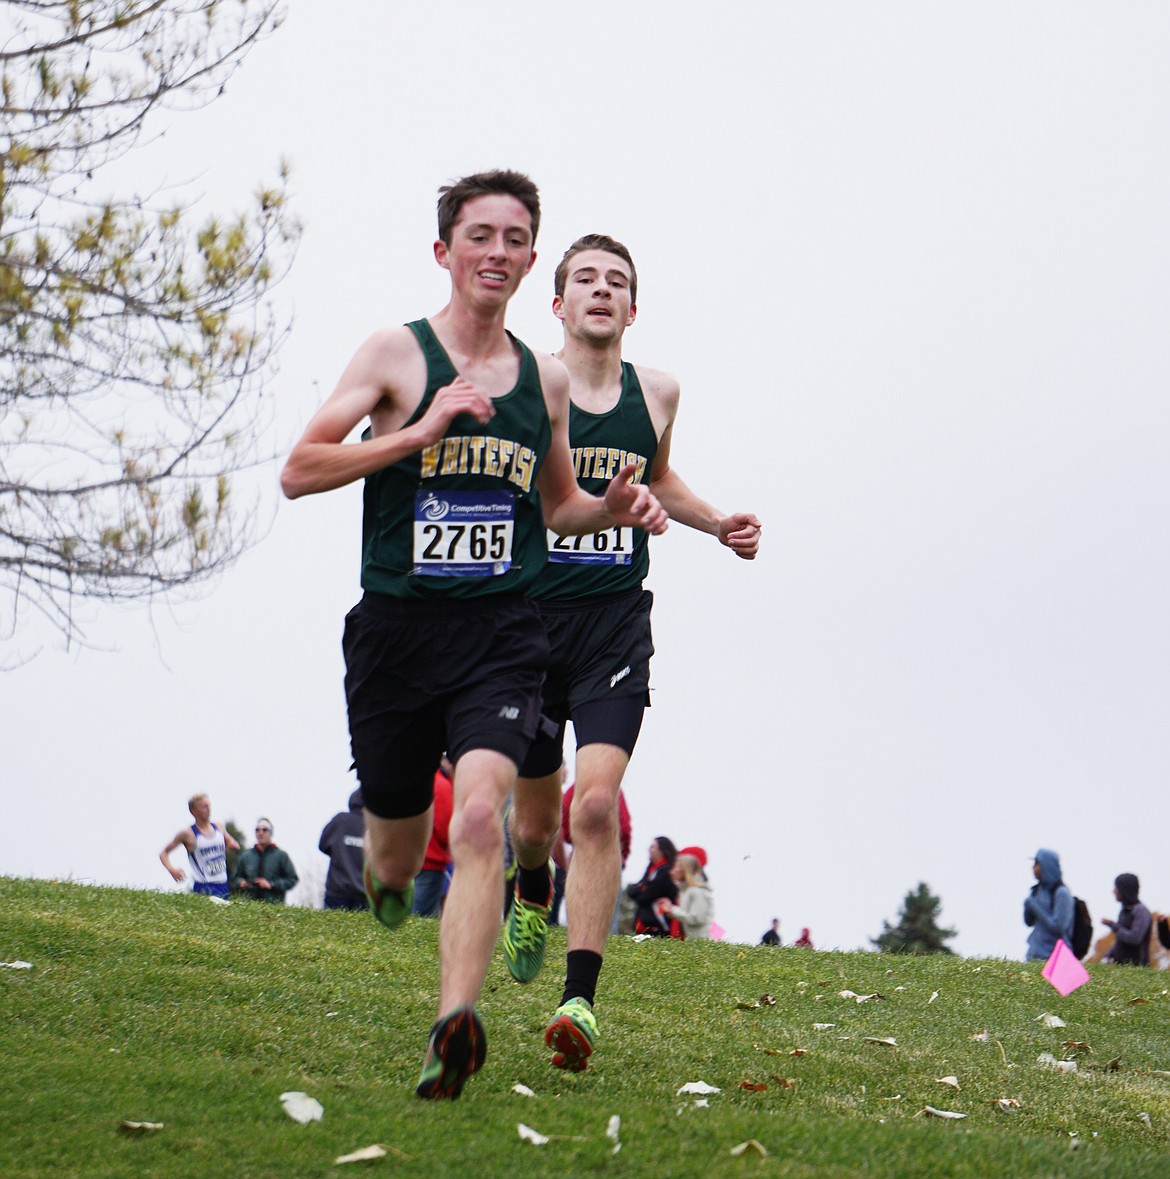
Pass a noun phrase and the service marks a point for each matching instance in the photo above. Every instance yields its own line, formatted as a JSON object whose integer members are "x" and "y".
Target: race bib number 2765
{"x": 463, "y": 533}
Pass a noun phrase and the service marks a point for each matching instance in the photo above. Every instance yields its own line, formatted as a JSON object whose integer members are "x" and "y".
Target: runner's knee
{"x": 594, "y": 817}
{"x": 477, "y": 830}
{"x": 535, "y": 827}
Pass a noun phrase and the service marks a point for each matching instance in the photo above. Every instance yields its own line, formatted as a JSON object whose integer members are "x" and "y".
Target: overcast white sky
{"x": 910, "y": 263}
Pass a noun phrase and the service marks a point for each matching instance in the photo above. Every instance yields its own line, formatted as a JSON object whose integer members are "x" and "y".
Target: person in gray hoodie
{"x": 1131, "y": 930}
{"x": 341, "y": 841}
{"x": 1048, "y": 908}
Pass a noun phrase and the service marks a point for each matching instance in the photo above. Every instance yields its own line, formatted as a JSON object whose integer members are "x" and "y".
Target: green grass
{"x": 167, "y": 1008}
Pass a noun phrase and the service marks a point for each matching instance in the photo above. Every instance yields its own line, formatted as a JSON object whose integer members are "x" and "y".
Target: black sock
{"x": 535, "y": 884}
{"x": 581, "y": 971}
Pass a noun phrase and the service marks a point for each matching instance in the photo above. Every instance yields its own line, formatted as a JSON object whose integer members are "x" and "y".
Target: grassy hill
{"x": 168, "y": 1008}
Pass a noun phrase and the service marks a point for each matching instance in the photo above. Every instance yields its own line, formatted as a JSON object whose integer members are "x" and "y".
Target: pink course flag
{"x": 718, "y": 933}
{"x": 1063, "y": 970}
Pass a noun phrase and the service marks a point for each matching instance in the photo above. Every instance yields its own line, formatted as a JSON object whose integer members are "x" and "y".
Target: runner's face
{"x": 201, "y": 809}
{"x": 491, "y": 248}
{"x": 596, "y": 305}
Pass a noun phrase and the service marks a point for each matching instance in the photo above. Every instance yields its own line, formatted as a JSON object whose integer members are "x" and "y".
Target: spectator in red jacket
{"x": 430, "y": 883}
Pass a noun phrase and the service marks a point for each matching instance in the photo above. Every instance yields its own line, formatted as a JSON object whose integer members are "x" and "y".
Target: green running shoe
{"x": 526, "y": 936}
{"x": 390, "y": 906}
{"x": 457, "y": 1048}
{"x": 571, "y": 1035}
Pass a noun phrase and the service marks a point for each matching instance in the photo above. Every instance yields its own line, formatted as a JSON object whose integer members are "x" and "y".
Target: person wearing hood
{"x": 1131, "y": 930}
{"x": 1049, "y": 907}
{"x": 341, "y": 840}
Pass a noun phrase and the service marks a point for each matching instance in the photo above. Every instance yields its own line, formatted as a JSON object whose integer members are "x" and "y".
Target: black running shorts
{"x": 598, "y": 674}
{"x": 426, "y": 678}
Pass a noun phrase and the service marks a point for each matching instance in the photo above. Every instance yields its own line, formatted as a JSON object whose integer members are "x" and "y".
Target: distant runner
{"x": 207, "y": 844}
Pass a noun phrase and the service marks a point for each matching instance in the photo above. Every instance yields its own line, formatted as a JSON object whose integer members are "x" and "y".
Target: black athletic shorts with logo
{"x": 425, "y": 678}
{"x": 598, "y": 674}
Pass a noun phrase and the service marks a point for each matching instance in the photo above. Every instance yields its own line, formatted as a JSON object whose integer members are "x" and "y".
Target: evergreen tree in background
{"x": 917, "y": 931}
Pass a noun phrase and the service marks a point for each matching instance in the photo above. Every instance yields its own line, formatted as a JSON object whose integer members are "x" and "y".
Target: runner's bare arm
{"x": 567, "y": 508}
{"x": 739, "y": 531}
{"x": 385, "y": 378}
{"x": 183, "y": 837}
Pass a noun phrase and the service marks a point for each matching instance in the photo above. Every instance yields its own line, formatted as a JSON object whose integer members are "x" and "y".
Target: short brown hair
{"x": 452, "y": 197}
{"x": 595, "y": 241}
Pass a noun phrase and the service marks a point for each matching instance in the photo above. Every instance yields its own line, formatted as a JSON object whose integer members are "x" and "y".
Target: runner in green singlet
{"x": 465, "y": 464}
{"x": 598, "y": 620}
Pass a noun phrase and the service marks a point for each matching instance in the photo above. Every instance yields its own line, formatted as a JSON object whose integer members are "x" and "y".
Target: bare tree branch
{"x": 136, "y": 346}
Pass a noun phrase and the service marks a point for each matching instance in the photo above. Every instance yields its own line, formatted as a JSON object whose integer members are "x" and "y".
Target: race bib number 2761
{"x": 611, "y": 546}
{"x": 463, "y": 533}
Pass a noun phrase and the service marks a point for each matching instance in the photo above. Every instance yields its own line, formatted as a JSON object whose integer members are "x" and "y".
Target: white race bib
{"x": 463, "y": 533}
{"x": 612, "y": 546}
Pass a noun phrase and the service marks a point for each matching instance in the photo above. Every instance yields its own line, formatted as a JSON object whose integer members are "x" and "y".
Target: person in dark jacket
{"x": 656, "y": 883}
{"x": 264, "y": 872}
{"x": 1131, "y": 930}
{"x": 341, "y": 840}
{"x": 1049, "y": 908}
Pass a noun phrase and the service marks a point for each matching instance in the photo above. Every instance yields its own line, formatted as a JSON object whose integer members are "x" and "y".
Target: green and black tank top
{"x": 461, "y": 518}
{"x": 601, "y": 444}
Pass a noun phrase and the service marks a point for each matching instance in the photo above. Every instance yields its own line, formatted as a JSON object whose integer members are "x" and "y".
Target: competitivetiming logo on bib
{"x": 433, "y": 508}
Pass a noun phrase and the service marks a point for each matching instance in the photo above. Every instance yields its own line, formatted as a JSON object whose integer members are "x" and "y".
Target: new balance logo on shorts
{"x": 614, "y": 680}
{"x": 509, "y": 712}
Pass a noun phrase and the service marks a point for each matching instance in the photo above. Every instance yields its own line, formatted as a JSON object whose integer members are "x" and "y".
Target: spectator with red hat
{"x": 692, "y": 915}
{"x": 700, "y": 854}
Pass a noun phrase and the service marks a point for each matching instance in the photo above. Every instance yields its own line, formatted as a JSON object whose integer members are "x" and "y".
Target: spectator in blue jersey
{"x": 264, "y": 872}
{"x": 207, "y": 844}
{"x": 1048, "y": 908}
{"x": 341, "y": 840}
